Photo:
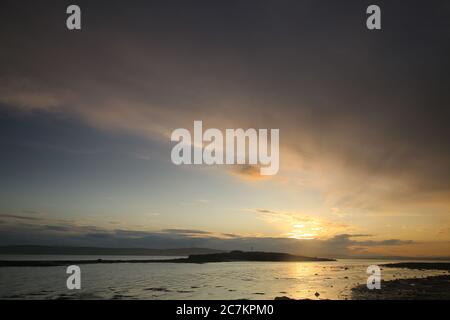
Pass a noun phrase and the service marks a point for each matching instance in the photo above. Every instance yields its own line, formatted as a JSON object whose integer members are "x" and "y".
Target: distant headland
{"x": 233, "y": 256}
{"x": 236, "y": 255}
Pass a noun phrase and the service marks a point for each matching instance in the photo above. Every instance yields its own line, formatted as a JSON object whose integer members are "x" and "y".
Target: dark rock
{"x": 283, "y": 298}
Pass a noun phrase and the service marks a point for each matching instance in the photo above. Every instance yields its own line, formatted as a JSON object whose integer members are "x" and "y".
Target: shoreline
{"x": 428, "y": 288}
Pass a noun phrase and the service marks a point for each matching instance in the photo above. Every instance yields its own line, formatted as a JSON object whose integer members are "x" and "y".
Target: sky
{"x": 86, "y": 118}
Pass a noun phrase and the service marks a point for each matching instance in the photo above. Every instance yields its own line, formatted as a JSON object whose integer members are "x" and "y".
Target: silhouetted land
{"x": 249, "y": 256}
{"x": 232, "y": 256}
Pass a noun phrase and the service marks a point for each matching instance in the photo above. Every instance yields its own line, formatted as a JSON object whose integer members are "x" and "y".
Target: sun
{"x": 305, "y": 231}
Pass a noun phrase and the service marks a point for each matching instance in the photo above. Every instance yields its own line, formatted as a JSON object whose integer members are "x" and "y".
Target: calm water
{"x": 236, "y": 280}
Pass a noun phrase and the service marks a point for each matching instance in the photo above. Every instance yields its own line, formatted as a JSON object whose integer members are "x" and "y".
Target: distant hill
{"x": 56, "y": 250}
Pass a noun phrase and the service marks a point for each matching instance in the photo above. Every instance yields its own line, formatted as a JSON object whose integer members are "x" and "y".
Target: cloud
{"x": 184, "y": 231}
{"x": 348, "y": 239}
{"x": 445, "y": 230}
{"x": 57, "y": 228}
{"x": 364, "y": 124}
{"x": 363, "y": 120}
{"x": 79, "y": 235}
{"x": 30, "y": 212}
{"x": 248, "y": 172}
{"x": 19, "y": 217}
{"x": 230, "y": 235}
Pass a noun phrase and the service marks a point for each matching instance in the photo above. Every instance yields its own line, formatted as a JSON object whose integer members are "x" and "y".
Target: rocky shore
{"x": 429, "y": 288}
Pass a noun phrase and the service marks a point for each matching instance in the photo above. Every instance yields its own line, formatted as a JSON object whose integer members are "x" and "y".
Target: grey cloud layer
{"x": 339, "y": 245}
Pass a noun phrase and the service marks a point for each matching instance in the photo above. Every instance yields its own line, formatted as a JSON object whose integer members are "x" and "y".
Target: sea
{"x": 176, "y": 281}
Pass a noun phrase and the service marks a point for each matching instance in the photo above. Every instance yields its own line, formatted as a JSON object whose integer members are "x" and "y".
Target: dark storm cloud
{"x": 371, "y": 105}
